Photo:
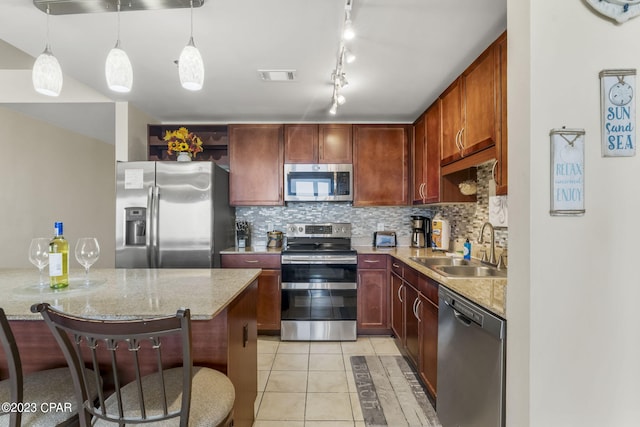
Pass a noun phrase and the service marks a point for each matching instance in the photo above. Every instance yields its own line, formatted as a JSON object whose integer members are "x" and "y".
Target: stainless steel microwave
{"x": 318, "y": 182}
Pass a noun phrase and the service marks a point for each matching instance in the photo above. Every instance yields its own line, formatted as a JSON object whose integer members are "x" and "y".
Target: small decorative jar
{"x": 183, "y": 156}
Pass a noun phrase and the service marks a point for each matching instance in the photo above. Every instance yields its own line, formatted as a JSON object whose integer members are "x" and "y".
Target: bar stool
{"x": 160, "y": 392}
{"x": 44, "y": 398}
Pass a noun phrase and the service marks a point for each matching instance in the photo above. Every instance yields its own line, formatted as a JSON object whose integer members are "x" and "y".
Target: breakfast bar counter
{"x": 222, "y": 304}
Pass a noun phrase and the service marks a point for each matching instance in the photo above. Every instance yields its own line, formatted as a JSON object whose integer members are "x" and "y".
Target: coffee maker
{"x": 421, "y": 231}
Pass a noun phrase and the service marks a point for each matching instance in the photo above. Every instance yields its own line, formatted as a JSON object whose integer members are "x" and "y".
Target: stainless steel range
{"x": 319, "y": 288}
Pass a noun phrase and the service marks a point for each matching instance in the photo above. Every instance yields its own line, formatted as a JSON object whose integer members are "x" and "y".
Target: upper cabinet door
{"x": 301, "y": 143}
{"x": 256, "y": 165}
{"x": 480, "y": 103}
{"x": 419, "y": 160}
{"x": 381, "y": 167}
{"x": 470, "y": 111}
{"x": 451, "y": 122}
{"x": 432, "y": 187}
{"x": 500, "y": 171}
{"x": 312, "y": 143}
{"x": 335, "y": 144}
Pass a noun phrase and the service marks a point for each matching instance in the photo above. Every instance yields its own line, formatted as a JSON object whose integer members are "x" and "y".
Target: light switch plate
{"x": 380, "y": 226}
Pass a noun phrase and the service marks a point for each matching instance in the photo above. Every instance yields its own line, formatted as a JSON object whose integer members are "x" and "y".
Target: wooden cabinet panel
{"x": 381, "y": 159}
{"x": 451, "y": 101}
{"x": 428, "y": 366}
{"x": 312, "y": 143}
{"x": 432, "y": 188}
{"x": 500, "y": 172}
{"x": 470, "y": 112}
{"x": 397, "y": 307}
{"x": 480, "y": 103}
{"x": 412, "y": 325}
{"x": 335, "y": 144}
{"x": 373, "y": 304}
{"x": 420, "y": 160}
{"x": 269, "y": 281}
{"x": 268, "y": 308}
{"x": 256, "y": 165}
{"x": 301, "y": 143}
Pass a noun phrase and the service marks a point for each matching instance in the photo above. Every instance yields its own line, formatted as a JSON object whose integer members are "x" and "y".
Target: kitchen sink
{"x": 442, "y": 260}
{"x": 469, "y": 271}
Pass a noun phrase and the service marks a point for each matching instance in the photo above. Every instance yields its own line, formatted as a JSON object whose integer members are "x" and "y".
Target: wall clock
{"x": 618, "y": 112}
{"x": 619, "y": 10}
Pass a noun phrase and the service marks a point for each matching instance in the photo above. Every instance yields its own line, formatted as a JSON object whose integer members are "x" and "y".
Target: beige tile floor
{"x": 309, "y": 384}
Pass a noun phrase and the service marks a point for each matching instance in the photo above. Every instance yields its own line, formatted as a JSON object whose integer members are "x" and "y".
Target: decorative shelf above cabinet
{"x": 214, "y": 138}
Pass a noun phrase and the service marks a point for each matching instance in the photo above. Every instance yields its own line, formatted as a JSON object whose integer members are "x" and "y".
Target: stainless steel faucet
{"x": 492, "y": 253}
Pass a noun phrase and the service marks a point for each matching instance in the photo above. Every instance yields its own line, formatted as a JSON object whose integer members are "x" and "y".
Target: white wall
{"x": 50, "y": 174}
{"x": 573, "y": 341}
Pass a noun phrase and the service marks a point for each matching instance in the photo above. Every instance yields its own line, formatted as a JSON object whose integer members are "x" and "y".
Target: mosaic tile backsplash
{"x": 466, "y": 219}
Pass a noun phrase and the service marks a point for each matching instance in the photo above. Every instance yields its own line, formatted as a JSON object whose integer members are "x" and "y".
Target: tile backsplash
{"x": 466, "y": 219}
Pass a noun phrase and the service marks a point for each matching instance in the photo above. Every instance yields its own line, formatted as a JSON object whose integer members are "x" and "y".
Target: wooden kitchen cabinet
{"x": 420, "y": 160}
{"x": 500, "y": 170}
{"x": 397, "y": 307}
{"x": 470, "y": 111}
{"x": 381, "y": 165}
{"x": 428, "y": 333}
{"x": 317, "y": 143}
{"x": 269, "y": 283}
{"x": 373, "y": 294}
{"x": 256, "y": 165}
{"x": 414, "y": 319}
{"x": 430, "y": 186}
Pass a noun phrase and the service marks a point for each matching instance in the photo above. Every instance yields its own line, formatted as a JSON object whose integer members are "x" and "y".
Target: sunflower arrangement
{"x": 183, "y": 140}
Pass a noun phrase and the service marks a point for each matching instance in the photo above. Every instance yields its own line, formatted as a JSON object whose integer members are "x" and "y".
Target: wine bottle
{"x": 58, "y": 259}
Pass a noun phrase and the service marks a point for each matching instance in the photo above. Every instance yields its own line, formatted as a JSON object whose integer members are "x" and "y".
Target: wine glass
{"x": 39, "y": 255}
{"x": 87, "y": 253}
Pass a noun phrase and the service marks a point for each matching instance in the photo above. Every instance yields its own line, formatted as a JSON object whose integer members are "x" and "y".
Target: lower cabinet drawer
{"x": 368, "y": 261}
{"x": 250, "y": 261}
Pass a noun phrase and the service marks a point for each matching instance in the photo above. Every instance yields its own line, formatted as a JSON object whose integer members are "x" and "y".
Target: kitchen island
{"x": 222, "y": 304}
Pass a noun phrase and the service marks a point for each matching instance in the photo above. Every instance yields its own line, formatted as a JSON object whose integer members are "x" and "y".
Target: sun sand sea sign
{"x": 618, "y": 112}
{"x": 567, "y": 171}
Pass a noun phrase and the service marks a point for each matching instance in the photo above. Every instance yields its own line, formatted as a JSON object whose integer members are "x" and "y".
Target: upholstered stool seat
{"x": 212, "y": 397}
{"x": 44, "y": 388}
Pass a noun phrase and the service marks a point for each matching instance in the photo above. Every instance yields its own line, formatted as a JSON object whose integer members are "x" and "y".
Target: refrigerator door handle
{"x": 152, "y": 227}
{"x": 155, "y": 262}
{"x": 149, "y": 226}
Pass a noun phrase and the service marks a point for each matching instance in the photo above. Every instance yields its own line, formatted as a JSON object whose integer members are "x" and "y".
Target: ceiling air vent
{"x": 277, "y": 75}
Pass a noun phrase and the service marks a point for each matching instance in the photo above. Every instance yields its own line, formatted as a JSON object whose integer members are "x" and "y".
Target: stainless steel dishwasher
{"x": 471, "y": 363}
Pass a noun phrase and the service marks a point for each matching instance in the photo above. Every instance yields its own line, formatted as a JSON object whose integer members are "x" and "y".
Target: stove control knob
{"x": 300, "y": 229}
{"x": 292, "y": 229}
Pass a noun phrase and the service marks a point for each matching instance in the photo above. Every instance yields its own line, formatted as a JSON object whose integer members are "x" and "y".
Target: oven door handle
{"x": 323, "y": 285}
{"x": 320, "y": 261}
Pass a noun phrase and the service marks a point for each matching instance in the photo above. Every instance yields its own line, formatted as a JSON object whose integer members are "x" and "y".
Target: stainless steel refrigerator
{"x": 172, "y": 214}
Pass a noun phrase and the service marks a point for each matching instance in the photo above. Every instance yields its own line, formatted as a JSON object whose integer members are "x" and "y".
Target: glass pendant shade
{"x": 118, "y": 70}
{"x": 47, "y": 74}
{"x": 191, "y": 67}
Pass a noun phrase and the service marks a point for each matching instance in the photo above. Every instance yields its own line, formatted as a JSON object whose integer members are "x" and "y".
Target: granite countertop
{"x": 489, "y": 293}
{"x": 127, "y": 293}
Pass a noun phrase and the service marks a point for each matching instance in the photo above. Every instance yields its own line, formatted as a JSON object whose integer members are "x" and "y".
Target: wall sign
{"x": 567, "y": 171}
{"x": 619, "y": 10}
{"x": 618, "y": 112}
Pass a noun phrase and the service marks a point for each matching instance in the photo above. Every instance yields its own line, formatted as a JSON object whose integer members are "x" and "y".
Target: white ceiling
{"x": 408, "y": 51}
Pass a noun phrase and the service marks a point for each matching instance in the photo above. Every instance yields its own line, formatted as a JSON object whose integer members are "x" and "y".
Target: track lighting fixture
{"x": 190, "y": 64}
{"x": 47, "y": 74}
{"x": 117, "y": 69}
{"x": 348, "y": 33}
{"x": 345, "y": 56}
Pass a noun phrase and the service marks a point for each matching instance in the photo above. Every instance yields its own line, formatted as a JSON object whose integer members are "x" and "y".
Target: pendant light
{"x": 190, "y": 64}
{"x": 47, "y": 74}
{"x": 118, "y": 68}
